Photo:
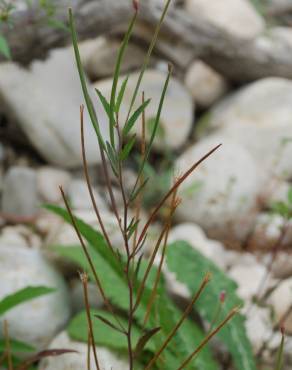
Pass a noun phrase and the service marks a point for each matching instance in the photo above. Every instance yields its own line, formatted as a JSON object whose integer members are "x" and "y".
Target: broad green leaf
{"x": 290, "y": 195}
{"x": 16, "y": 346}
{"x": 116, "y": 291}
{"x": 190, "y": 267}
{"x": 121, "y": 95}
{"x": 133, "y": 119}
{"x": 104, "y": 335}
{"x": 114, "y": 285}
{"x": 23, "y": 295}
{"x": 4, "y": 47}
{"x": 281, "y": 209}
{"x": 92, "y": 236}
{"x": 187, "y": 338}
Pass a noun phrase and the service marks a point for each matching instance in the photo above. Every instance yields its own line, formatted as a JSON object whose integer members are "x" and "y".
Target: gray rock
{"x": 99, "y": 57}
{"x": 48, "y": 180}
{"x": 77, "y": 296}
{"x": 195, "y": 236}
{"x": 37, "y": 321}
{"x": 80, "y": 198}
{"x": 221, "y": 194}
{"x": 281, "y": 302}
{"x": 205, "y": 84}
{"x": 108, "y": 360}
{"x": 237, "y": 17}
{"x": 259, "y": 117}
{"x": 44, "y": 100}
{"x": 20, "y": 192}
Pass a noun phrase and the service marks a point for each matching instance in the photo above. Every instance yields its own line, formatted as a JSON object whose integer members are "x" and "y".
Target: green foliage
{"x": 150, "y": 325}
{"x": 22, "y": 296}
{"x": 133, "y": 119}
{"x": 16, "y": 347}
{"x": 166, "y": 315}
{"x": 4, "y": 47}
{"x": 190, "y": 266}
{"x": 103, "y": 334}
{"x": 284, "y": 209}
{"x": 280, "y": 354}
{"x": 11, "y": 301}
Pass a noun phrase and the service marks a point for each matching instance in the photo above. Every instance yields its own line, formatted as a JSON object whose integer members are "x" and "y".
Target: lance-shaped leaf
{"x": 22, "y": 296}
{"x": 190, "y": 266}
{"x": 134, "y": 118}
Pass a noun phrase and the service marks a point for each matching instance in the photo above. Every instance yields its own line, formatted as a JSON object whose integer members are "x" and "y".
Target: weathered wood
{"x": 182, "y": 39}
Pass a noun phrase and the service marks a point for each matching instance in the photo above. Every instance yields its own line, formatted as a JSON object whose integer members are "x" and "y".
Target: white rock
{"x": 220, "y": 195}
{"x": 80, "y": 198}
{"x": 259, "y": 117}
{"x": 37, "y": 321}
{"x": 248, "y": 277}
{"x": 196, "y": 237}
{"x": 99, "y": 57}
{"x": 237, "y": 17}
{"x": 281, "y": 301}
{"x": 205, "y": 84}
{"x": 44, "y": 101}
{"x": 19, "y": 235}
{"x": 19, "y": 196}
{"x": 107, "y": 359}
{"x": 267, "y": 231}
{"x": 177, "y": 113}
{"x": 49, "y": 179}
{"x": 282, "y": 266}
{"x": 259, "y": 327}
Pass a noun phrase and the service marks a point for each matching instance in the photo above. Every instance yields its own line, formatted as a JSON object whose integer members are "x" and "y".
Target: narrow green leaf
{"x": 124, "y": 154}
{"x": 138, "y": 190}
{"x": 144, "y": 339}
{"x": 105, "y": 104}
{"x": 190, "y": 267}
{"x": 121, "y": 95}
{"x": 148, "y": 56}
{"x": 132, "y": 229}
{"x": 157, "y": 120}
{"x": 133, "y": 119}
{"x": 82, "y": 77}
{"x": 117, "y": 73}
{"x": 113, "y": 158}
{"x": 23, "y": 295}
{"x": 92, "y": 236}
{"x": 280, "y": 357}
{"x": 4, "y": 47}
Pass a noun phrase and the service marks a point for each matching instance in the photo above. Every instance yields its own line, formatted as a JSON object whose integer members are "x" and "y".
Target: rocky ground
{"x": 226, "y": 203}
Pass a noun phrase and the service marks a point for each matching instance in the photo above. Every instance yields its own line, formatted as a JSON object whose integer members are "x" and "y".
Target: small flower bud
{"x": 222, "y": 296}
{"x": 135, "y": 5}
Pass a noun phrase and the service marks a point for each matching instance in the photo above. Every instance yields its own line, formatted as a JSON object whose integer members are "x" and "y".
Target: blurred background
{"x": 231, "y": 85}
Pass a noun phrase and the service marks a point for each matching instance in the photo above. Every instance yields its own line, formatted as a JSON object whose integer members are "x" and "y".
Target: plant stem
{"x": 180, "y": 322}
{"x": 84, "y": 280}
